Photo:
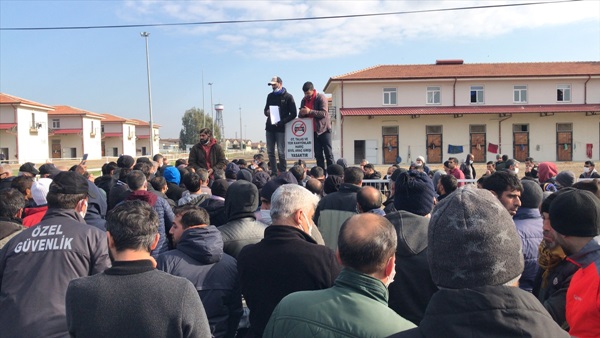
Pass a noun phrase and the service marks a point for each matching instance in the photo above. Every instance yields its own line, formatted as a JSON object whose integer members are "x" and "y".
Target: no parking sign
{"x": 299, "y": 139}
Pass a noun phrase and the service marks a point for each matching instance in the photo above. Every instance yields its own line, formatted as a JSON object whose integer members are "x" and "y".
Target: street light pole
{"x": 241, "y": 137}
{"x": 151, "y": 137}
{"x": 212, "y": 108}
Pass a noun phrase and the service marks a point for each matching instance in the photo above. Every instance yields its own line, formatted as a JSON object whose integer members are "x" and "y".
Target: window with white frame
{"x": 563, "y": 93}
{"x": 390, "y": 96}
{"x": 434, "y": 95}
{"x": 55, "y": 123}
{"x": 520, "y": 94}
{"x": 476, "y": 94}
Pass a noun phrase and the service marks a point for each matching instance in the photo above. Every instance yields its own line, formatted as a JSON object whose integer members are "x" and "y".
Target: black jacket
{"x": 199, "y": 258}
{"x": 105, "y": 182}
{"x": 242, "y": 228}
{"x": 285, "y": 261}
{"x": 412, "y": 287}
{"x": 36, "y": 267}
{"x": 118, "y": 193}
{"x": 287, "y": 110}
{"x": 487, "y": 311}
{"x": 554, "y": 295}
{"x": 174, "y": 191}
{"x": 343, "y": 200}
{"x": 216, "y": 210}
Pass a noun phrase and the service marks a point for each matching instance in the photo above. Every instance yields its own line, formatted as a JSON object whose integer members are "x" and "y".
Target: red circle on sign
{"x": 299, "y": 128}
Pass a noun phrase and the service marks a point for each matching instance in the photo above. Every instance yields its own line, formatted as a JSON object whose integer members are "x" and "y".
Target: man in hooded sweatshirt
{"x": 413, "y": 287}
{"x": 207, "y": 153}
{"x": 136, "y": 180}
{"x": 198, "y": 256}
{"x": 241, "y": 228}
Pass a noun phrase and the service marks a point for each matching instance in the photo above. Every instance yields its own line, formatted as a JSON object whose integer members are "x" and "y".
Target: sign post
{"x": 299, "y": 140}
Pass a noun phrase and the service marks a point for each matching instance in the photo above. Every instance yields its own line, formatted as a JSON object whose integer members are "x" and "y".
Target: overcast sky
{"x": 104, "y": 70}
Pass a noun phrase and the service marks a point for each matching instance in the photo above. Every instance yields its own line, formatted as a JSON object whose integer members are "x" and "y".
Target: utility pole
{"x": 151, "y": 136}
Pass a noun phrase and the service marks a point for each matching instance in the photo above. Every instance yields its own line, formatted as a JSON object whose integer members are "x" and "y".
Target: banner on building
{"x": 299, "y": 140}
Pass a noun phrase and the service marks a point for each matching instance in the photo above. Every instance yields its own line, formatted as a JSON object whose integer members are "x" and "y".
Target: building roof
{"x": 475, "y": 109}
{"x": 10, "y": 99}
{"x": 114, "y": 118}
{"x": 145, "y": 123}
{"x": 72, "y": 111}
{"x": 450, "y": 69}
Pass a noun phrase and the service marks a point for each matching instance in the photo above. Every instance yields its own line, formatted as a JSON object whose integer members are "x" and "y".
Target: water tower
{"x": 219, "y": 119}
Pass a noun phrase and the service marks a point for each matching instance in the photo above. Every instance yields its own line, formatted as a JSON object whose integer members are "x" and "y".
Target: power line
{"x": 285, "y": 20}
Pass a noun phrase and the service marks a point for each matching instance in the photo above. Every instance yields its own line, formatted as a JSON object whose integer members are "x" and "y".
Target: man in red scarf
{"x": 207, "y": 153}
{"x": 314, "y": 105}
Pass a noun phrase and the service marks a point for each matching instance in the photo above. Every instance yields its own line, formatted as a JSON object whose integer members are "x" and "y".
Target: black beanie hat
{"x": 335, "y": 169}
{"x": 576, "y": 213}
{"x": 532, "y": 194}
{"x": 414, "y": 193}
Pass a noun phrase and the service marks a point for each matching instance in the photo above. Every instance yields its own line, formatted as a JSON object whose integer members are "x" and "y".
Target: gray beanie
{"x": 565, "y": 178}
{"x": 473, "y": 241}
{"x": 532, "y": 194}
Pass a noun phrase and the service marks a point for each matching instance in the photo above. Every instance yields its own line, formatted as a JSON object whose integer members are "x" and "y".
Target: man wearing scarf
{"x": 276, "y": 131}
{"x": 314, "y": 105}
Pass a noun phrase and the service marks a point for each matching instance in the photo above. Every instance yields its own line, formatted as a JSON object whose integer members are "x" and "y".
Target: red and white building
{"x": 549, "y": 111}
{"x": 142, "y": 133}
{"x": 74, "y": 132}
{"x": 23, "y": 129}
{"x": 118, "y": 136}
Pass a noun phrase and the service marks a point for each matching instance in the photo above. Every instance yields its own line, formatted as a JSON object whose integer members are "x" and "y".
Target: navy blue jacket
{"x": 529, "y": 226}
{"x": 199, "y": 257}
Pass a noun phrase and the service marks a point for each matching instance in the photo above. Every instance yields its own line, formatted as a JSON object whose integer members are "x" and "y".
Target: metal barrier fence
{"x": 385, "y": 186}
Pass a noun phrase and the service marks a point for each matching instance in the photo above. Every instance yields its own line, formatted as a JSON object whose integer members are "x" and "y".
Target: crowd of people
{"x": 214, "y": 248}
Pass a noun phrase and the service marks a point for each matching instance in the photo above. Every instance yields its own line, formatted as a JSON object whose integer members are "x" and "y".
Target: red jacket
{"x": 583, "y": 295}
{"x": 34, "y": 215}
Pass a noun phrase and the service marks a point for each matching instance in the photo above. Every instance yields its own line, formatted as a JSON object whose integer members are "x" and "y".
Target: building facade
{"x": 74, "y": 132}
{"x": 118, "y": 136}
{"x": 142, "y": 133}
{"x": 23, "y": 130}
{"x": 548, "y": 111}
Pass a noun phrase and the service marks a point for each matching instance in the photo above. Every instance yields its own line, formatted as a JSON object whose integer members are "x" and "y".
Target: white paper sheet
{"x": 274, "y": 111}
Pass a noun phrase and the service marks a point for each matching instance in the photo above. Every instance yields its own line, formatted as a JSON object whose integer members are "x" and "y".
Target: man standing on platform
{"x": 283, "y": 101}
{"x": 314, "y": 105}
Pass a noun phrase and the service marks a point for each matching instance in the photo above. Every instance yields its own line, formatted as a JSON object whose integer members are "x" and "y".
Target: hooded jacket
{"x": 216, "y": 156}
{"x": 199, "y": 257}
{"x": 529, "y": 226}
{"x": 36, "y": 267}
{"x": 413, "y": 286}
{"x": 487, "y": 311}
{"x": 215, "y": 206}
{"x": 34, "y": 215}
{"x": 241, "y": 228}
{"x": 165, "y": 217}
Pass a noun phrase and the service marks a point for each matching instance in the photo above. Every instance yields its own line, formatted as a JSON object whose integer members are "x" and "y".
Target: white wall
{"x": 92, "y": 144}
{"x": 32, "y": 147}
{"x": 129, "y": 142}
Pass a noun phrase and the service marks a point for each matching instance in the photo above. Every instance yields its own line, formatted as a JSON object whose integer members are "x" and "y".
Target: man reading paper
{"x": 283, "y": 102}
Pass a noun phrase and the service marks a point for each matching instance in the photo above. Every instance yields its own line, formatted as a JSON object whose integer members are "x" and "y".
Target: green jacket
{"x": 356, "y": 306}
